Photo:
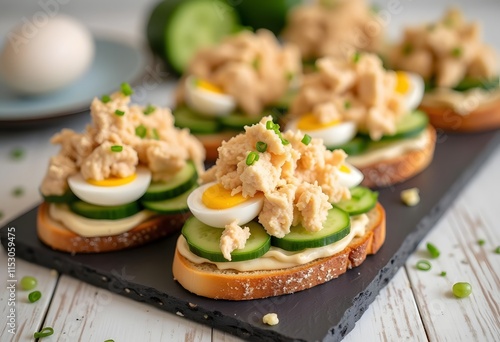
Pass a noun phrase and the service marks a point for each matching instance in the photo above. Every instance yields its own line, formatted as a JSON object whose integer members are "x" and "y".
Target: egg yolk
{"x": 402, "y": 82}
{"x": 202, "y": 84}
{"x": 344, "y": 168}
{"x": 113, "y": 181}
{"x": 309, "y": 122}
{"x": 218, "y": 197}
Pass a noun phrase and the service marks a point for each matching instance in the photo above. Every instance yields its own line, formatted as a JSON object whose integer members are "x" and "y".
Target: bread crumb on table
{"x": 270, "y": 319}
{"x": 410, "y": 197}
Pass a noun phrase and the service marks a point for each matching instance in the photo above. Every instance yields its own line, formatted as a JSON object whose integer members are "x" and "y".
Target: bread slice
{"x": 398, "y": 169}
{"x": 485, "y": 117}
{"x": 55, "y": 235}
{"x": 208, "y": 281}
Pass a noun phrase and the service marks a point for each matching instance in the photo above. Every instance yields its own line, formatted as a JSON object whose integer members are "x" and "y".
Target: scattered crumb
{"x": 191, "y": 305}
{"x": 270, "y": 319}
{"x": 54, "y": 273}
{"x": 178, "y": 313}
{"x": 410, "y": 197}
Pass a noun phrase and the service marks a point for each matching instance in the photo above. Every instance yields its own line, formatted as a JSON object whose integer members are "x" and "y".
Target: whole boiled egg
{"x": 111, "y": 191}
{"x": 214, "y": 205}
{"x": 349, "y": 176}
{"x": 208, "y": 99}
{"x": 43, "y": 56}
{"x": 411, "y": 86}
{"x": 334, "y": 133}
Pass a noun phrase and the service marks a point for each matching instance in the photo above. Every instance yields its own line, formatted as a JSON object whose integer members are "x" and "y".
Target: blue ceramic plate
{"x": 114, "y": 63}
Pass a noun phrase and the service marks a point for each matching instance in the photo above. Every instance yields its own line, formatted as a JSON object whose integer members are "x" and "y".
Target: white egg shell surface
{"x": 350, "y": 179}
{"x": 332, "y": 136}
{"x": 43, "y": 58}
{"x": 415, "y": 93}
{"x": 219, "y": 218}
{"x": 208, "y": 102}
{"x": 111, "y": 195}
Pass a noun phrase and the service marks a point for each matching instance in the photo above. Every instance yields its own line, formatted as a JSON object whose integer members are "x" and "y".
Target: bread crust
{"x": 55, "y": 235}
{"x": 208, "y": 281}
{"x": 486, "y": 117}
{"x": 400, "y": 168}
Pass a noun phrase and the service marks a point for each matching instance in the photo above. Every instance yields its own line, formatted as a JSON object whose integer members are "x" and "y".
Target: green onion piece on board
{"x": 462, "y": 289}
{"x": 34, "y": 296}
{"x": 434, "y": 252}
{"x": 47, "y": 331}
{"x": 423, "y": 265}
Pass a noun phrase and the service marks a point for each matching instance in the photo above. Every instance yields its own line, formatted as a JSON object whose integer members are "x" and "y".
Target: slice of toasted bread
{"x": 398, "y": 169}
{"x": 208, "y": 281}
{"x": 55, "y": 235}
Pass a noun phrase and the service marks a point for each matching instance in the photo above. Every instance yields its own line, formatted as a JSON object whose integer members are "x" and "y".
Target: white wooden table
{"x": 414, "y": 306}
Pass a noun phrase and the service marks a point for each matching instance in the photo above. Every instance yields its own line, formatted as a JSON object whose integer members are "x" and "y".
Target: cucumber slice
{"x": 410, "y": 125}
{"x": 181, "y": 182}
{"x": 336, "y": 226}
{"x": 67, "y": 197}
{"x": 356, "y": 146}
{"x": 285, "y": 101}
{"x": 468, "y": 83}
{"x": 175, "y": 205}
{"x": 203, "y": 240}
{"x": 100, "y": 212}
{"x": 177, "y": 29}
{"x": 238, "y": 121}
{"x": 362, "y": 200}
{"x": 187, "y": 118}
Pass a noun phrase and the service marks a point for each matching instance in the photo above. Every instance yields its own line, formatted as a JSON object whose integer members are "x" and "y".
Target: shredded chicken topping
{"x": 333, "y": 28}
{"x": 445, "y": 51}
{"x": 354, "y": 88}
{"x": 254, "y": 68}
{"x": 233, "y": 237}
{"x": 147, "y": 137}
{"x": 298, "y": 181}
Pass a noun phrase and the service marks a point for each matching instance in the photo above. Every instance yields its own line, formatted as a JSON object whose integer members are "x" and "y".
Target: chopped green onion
{"x": 347, "y": 104}
{"x": 116, "y": 148}
{"x": 462, "y": 289}
{"x": 141, "y": 131}
{"x": 261, "y": 146}
{"x": 105, "y": 98}
{"x": 256, "y": 63}
{"x": 306, "y": 139}
{"x": 119, "y": 112}
{"x": 47, "y": 331}
{"x": 156, "y": 135}
{"x": 28, "y": 283}
{"x": 481, "y": 242}
{"x": 497, "y": 250}
{"x": 34, "y": 296}
{"x": 270, "y": 125}
{"x": 126, "y": 89}
{"x": 109, "y": 341}
{"x": 356, "y": 57}
{"x": 17, "y": 153}
{"x": 423, "y": 265}
{"x": 434, "y": 252}
{"x": 17, "y": 191}
{"x": 289, "y": 76}
{"x": 149, "y": 109}
{"x": 252, "y": 157}
{"x": 443, "y": 274}
{"x": 284, "y": 141}
{"x": 456, "y": 52}
{"x": 407, "y": 49}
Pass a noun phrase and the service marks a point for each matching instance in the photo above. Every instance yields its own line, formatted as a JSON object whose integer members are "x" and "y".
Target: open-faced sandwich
{"x": 460, "y": 71}
{"x": 235, "y": 84}
{"x": 333, "y": 28}
{"x": 121, "y": 183}
{"x": 353, "y": 103}
{"x": 278, "y": 213}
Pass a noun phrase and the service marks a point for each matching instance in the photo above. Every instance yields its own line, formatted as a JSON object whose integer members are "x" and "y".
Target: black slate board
{"x": 327, "y": 312}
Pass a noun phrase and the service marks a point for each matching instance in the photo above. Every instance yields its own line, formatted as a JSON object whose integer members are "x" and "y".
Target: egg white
{"x": 111, "y": 195}
{"x": 208, "y": 102}
{"x": 416, "y": 91}
{"x": 351, "y": 179}
{"x": 332, "y": 136}
{"x": 219, "y": 218}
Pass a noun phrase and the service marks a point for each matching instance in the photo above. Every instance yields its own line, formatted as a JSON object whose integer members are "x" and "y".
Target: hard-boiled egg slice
{"x": 334, "y": 133}
{"x": 213, "y": 205}
{"x": 113, "y": 191}
{"x": 349, "y": 176}
{"x": 208, "y": 99}
{"x": 411, "y": 86}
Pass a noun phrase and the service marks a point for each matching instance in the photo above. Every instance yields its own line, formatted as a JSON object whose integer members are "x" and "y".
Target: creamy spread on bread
{"x": 277, "y": 258}
{"x": 462, "y": 102}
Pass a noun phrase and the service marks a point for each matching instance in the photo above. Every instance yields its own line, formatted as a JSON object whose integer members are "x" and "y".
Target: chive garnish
{"x": 126, "y": 89}
{"x": 119, "y": 112}
{"x": 252, "y": 157}
{"x": 47, "y": 331}
{"x": 270, "y": 125}
{"x": 261, "y": 146}
{"x": 456, "y": 52}
{"x": 356, "y": 57}
{"x": 407, "y": 49}
{"x": 423, "y": 265}
{"x": 34, "y": 296}
{"x": 116, "y": 148}
{"x": 481, "y": 242}
{"x": 105, "y": 98}
{"x": 149, "y": 109}
{"x": 256, "y": 63}
{"x": 306, "y": 139}
{"x": 141, "y": 131}
{"x": 434, "y": 252}
{"x": 347, "y": 104}
{"x": 155, "y": 133}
